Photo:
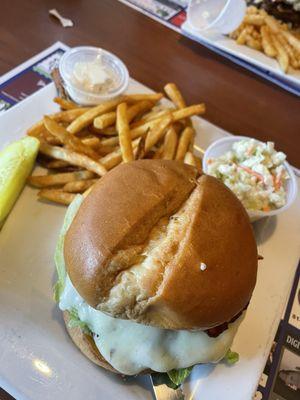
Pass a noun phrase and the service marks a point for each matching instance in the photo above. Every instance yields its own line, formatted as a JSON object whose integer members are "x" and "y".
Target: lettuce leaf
{"x": 59, "y": 253}
{"x": 231, "y": 357}
{"x": 74, "y": 322}
{"x": 173, "y": 378}
{"x": 178, "y": 376}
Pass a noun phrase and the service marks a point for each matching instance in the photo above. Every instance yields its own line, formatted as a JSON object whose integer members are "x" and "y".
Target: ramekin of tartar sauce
{"x": 92, "y": 75}
{"x": 258, "y": 174}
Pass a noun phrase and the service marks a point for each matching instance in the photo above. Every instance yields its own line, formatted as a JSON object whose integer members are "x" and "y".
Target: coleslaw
{"x": 254, "y": 171}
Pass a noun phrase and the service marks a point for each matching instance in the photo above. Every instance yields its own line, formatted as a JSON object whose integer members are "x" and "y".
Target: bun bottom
{"x": 86, "y": 345}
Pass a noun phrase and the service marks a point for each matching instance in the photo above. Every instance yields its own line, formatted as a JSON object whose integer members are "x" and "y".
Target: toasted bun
{"x": 86, "y": 345}
{"x": 135, "y": 248}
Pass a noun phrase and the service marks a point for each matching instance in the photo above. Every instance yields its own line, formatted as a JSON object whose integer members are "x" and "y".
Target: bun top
{"x": 155, "y": 243}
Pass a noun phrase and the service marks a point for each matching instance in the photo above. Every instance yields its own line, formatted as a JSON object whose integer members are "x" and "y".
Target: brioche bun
{"x": 157, "y": 244}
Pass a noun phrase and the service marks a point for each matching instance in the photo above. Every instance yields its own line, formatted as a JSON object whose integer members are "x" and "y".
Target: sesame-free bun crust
{"x": 135, "y": 247}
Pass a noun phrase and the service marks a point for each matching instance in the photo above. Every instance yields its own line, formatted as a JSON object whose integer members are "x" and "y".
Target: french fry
{"x": 112, "y": 141}
{"x": 198, "y": 162}
{"x": 252, "y": 10}
{"x": 157, "y": 132}
{"x": 294, "y": 61}
{"x": 41, "y": 181}
{"x": 235, "y": 34}
{"x": 57, "y": 80}
{"x": 92, "y": 142}
{"x": 135, "y": 133}
{"x": 57, "y": 196}
{"x": 113, "y": 159}
{"x": 79, "y": 186}
{"x": 103, "y": 150}
{"x": 87, "y": 142}
{"x": 272, "y": 24}
{"x": 257, "y": 20}
{"x": 267, "y": 43}
{"x": 62, "y": 116}
{"x": 292, "y": 40}
{"x": 65, "y": 104}
{"x": 253, "y": 43}
{"x": 174, "y": 94}
{"x": 46, "y": 136}
{"x": 158, "y": 152}
{"x": 192, "y": 140}
{"x": 197, "y": 109}
{"x": 170, "y": 144}
{"x": 57, "y": 164}
{"x": 176, "y": 115}
{"x": 256, "y": 34}
{"x": 153, "y": 97}
{"x": 73, "y": 158}
{"x": 139, "y": 152}
{"x": 106, "y": 120}
{"x": 183, "y": 143}
{"x": 138, "y": 108}
{"x": 189, "y": 158}
{"x": 124, "y": 133}
{"x": 282, "y": 56}
{"x": 178, "y": 126}
{"x": 69, "y": 140}
{"x": 87, "y": 118}
{"x": 242, "y": 38}
{"x": 109, "y": 131}
{"x": 263, "y": 32}
{"x": 153, "y": 115}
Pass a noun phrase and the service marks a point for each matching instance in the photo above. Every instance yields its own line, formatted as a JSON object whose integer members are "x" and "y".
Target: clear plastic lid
{"x": 223, "y": 16}
{"x": 115, "y": 68}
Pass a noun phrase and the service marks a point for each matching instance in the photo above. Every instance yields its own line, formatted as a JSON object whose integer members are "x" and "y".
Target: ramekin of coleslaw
{"x": 257, "y": 173}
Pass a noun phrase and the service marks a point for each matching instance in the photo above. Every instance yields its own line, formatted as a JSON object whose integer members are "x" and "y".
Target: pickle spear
{"x": 16, "y": 162}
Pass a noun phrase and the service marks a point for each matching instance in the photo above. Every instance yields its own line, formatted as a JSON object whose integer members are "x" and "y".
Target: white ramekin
{"x": 89, "y": 53}
{"x": 221, "y": 146}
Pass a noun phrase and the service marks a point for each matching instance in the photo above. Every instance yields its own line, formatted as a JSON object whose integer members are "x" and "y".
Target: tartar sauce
{"x": 93, "y": 76}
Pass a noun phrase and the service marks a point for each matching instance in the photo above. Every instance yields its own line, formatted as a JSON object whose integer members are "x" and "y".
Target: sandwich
{"x": 287, "y": 11}
{"x": 156, "y": 267}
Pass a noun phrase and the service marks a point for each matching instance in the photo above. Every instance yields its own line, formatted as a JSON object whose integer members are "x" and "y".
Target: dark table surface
{"x": 237, "y": 100}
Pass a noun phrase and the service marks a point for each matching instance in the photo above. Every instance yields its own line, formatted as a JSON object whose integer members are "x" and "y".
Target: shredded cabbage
{"x": 254, "y": 171}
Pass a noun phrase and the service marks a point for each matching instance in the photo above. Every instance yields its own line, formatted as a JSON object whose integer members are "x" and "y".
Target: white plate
{"x": 37, "y": 358}
{"x": 264, "y": 65}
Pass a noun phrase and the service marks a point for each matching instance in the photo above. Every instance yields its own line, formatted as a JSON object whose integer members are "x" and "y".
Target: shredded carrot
{"x": 266, "y": 208}
{"x": 249, "y": 151}
{"x": 277, "y": 181}
{"x": 250, "y": 171}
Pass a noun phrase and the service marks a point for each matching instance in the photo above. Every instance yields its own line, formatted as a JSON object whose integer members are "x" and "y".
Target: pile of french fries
{"x": 263, "y": 32}
{"x": 78, "y": 145}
